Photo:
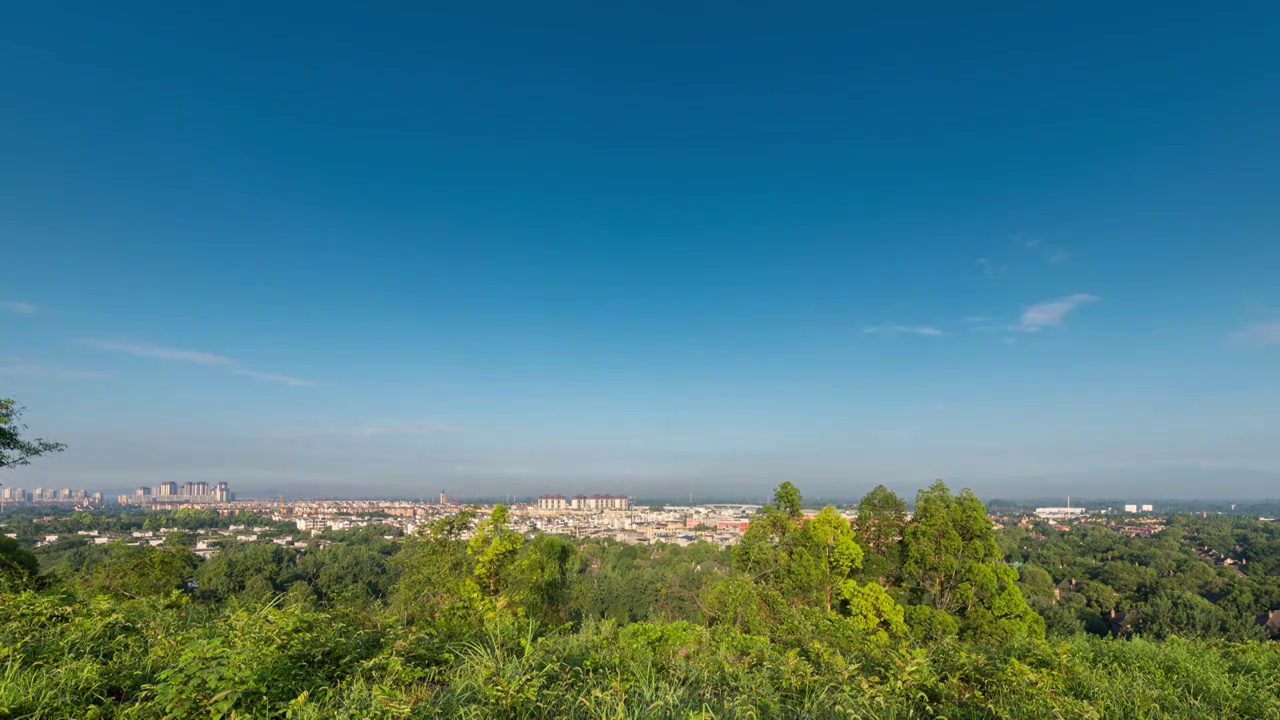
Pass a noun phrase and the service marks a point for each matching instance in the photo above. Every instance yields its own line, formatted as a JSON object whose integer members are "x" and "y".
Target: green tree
{"x": 355, "y": 571}
{"x": 788, "y": 500}
{"x": 952, "y": 563}
{"x": 18, "y": 566}
{"x": 541, "y": 580}
{"x": 821, "y": 555}
{"x": 872, "y": 610}
{"x": 142, "y": 571}
{"x": 882, "y": 518}
{"x": 762, "y": 548}
{"x": 1035, "y": 581}
{"x": 493, "y": 547}
{"x": 262, "y": 567}
{"x": 14, "y": 450}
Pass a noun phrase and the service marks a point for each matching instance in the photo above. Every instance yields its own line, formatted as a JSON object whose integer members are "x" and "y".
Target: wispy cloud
{"x": 21, "y": 308}
{"x": 273, "y": 377}
{"x": 1054, "y": 254}
{"x": 990, "y": 268}
{"x": 1266, "y": 332}
{"x": 406, "y": 429}
{"x": 158, "y": 352}
{"x": 1051, "y": 313}
{"x": 927, "y": 330}
{"x": 196, "y": 357}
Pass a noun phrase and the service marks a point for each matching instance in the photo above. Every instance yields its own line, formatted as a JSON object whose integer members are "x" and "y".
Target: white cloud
{"x": 21, "y": 308}
{"x": 273, "y": 377}
{"x": 904, "y": 330}
{"x": 1266, "y": 332}
{"x": 160, "y": 353}
{"x": 191, "y": 356}
{"x": 1051, "y": 313}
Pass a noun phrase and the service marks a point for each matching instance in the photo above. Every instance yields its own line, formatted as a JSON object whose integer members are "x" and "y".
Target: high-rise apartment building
{"x": 553, "y": 502}
{"x": 584, "y": 502}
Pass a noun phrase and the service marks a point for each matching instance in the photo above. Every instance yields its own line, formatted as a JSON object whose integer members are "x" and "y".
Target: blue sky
{"x": 652, "y": 249}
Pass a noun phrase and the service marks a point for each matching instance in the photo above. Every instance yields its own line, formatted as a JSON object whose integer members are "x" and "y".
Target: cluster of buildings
{"x": 50, "y": 495}
{"x": 583, "y": 502}
{"x": 1060, "y": 513}
{"x": 1068, "y": 512}
{"x": 722, "y": 524}
{"x": 168, "y": 493}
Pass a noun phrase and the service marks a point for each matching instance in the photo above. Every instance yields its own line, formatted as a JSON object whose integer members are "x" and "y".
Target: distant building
{"x": 1147, "y": 508}
{"x": 310, "y": 523}
{"x": 1131, "y": 508}
{"x": 1059, "y": 513}
{"x": 167, "y": 489}
{"x": 607, "y": 502}
{"x": 584, "y": 502}
{"x": 444, "y": 499}
{"x": 553, "y": 502}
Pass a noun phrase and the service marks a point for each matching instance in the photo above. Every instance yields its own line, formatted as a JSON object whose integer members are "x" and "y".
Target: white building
{"x": 1147, "y": 508}
{"x": 553, "y": 502}
{"x": 584, "y": 502}
{"x": 1131, "y": 508}
{"x": 1059, "y": 513}
{"x": 604, "y": 502}
{"x": 309, "y": 523}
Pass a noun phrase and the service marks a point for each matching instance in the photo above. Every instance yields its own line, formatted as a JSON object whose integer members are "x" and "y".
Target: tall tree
{"x": 787, "y": 499}
{"x": 809, "y": 563}
{"x": 882, "y": 518}
{"x": 952, "y": 563}
{"x": 541, "y": 580}
{"x": 14, "y": 450}
{"x": 761, "y": 551}
{"x": 822, "y": 554}
{"x": 493, "y": 547}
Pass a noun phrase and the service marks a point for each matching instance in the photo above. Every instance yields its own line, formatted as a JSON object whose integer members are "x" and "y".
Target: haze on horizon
{"x": 654, "y": 250}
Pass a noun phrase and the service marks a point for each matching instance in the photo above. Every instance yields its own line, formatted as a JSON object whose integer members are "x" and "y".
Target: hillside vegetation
{"x": 938, "y": 616}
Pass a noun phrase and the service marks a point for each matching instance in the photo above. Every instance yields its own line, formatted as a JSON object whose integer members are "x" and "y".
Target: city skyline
{"x": 1032, "y": 253}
